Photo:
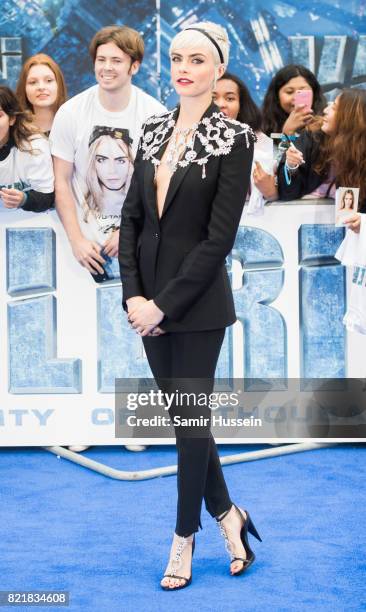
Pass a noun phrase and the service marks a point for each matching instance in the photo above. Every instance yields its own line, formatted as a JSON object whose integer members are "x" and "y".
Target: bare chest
{"x": 162, "y": 180}
{"x": 174, "y": 151}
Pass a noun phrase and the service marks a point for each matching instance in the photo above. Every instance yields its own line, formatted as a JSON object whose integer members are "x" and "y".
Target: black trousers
{"x": 186, "y": 362}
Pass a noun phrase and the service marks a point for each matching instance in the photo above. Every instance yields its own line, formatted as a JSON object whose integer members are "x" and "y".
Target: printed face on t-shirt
{"x": 111, "y": 163}
{"x": 108, "y": 176}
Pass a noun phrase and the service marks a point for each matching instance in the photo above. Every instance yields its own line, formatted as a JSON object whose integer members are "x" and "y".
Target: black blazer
{"x": 179, "y": 260}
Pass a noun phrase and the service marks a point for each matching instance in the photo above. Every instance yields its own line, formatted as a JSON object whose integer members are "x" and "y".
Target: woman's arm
{"x": 202, "y": 264}
{"x": 36, "y": 201}
{"x": 293, "y": 185}
{"x": 265, "y": 182}
{"x": 36, "y": 167}
{"x": 354, "y": 222}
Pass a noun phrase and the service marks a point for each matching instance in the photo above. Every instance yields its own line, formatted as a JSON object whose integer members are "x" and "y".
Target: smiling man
{"x": 111, "y": 114}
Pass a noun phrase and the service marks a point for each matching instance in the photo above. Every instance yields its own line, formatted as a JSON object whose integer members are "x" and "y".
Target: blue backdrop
{"x": 265, "y": 36}
{"x": 328, "y": 36}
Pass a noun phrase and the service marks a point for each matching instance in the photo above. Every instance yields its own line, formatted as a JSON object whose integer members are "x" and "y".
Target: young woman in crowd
{"x": 280, "y": 114}
{"x": 233, "y": 99}
{"x": 333, "y": 156}
{"x": 41, "y": 89}
{"x": 179, "y": 222}
{"x": 26, "y": 172}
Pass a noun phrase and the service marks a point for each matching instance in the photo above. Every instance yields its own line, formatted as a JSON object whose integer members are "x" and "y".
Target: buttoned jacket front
{"x": 179, "y": 259}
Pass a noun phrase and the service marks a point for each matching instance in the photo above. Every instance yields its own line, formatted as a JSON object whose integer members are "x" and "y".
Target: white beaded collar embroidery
{"x": 217, "y": 138}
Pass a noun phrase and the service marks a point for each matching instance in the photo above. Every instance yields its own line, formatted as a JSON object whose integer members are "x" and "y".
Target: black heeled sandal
{"x": 248, "y": 525}
{"x": 177, "y": 559}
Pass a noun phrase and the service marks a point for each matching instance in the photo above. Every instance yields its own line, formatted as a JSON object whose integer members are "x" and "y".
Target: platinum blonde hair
{"x": 192, "y": 38}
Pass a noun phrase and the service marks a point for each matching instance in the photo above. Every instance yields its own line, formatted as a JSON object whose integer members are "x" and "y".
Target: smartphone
{"x": 100, "y": 277}
{"x": 304, "y": 96}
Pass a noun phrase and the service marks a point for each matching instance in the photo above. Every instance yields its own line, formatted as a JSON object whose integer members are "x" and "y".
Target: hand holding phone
{"x": 100, "y": 277}
{"x": 302, "y": 112}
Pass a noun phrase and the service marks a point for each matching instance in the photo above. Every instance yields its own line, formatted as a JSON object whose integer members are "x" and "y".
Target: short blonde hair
{"x": 192, "y": 38}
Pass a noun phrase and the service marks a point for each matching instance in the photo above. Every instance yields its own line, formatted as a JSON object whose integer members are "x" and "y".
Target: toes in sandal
{"x": 177, "y": 564}
{"x": 247, "y": 526}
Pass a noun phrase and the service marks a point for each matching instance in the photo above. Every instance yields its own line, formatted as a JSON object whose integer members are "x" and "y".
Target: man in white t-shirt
{"x": 94, "y": 140}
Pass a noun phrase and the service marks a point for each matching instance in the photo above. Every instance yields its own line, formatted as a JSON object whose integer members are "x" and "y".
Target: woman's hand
{"x": 294, "y": 157}
{"x": 111, "y": 246}
{"x": 134, "y": 302}
{"x": 12, "y": 198}
{"x": 145, "y": 317}
{"x": 297, "y": 119}
{"x": 157, "y": 331}
{"x": 264, "y": 182}
{"x": 353, "y": 222}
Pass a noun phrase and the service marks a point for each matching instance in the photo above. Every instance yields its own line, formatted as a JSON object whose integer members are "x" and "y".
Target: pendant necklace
{"x": 180, "y": 141}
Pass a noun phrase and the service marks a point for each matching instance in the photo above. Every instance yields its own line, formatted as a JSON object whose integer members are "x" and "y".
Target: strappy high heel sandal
{"x": 247, "y": 526}
{"x": 177, "y": 564}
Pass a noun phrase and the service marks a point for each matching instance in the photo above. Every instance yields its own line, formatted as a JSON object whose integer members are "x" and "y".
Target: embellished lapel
{"x": 180, "y": 172}
{"x": 149, "y": 171}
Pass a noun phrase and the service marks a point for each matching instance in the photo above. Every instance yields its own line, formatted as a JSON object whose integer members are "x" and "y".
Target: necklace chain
{"x": 180, "y": 140}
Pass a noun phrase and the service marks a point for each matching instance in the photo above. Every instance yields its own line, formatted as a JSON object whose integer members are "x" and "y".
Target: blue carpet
{"x": 66, "y": 528}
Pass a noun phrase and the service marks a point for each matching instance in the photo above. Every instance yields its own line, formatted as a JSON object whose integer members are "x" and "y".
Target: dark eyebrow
{"x": 192, "y": 54}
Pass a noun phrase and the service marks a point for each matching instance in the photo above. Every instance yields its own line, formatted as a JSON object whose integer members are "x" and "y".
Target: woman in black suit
{"x": 179, "y": 222}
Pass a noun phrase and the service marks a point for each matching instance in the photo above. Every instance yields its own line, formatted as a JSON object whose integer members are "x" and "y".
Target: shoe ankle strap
{"x": 222, "y": 516}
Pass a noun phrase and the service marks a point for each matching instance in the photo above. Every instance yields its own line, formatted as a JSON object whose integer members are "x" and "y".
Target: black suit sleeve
{"x": 131, "y": 225}
{"x": 204, "y": 261}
